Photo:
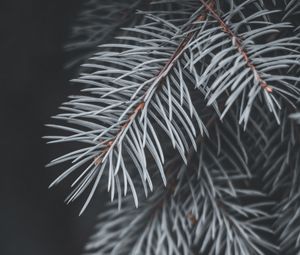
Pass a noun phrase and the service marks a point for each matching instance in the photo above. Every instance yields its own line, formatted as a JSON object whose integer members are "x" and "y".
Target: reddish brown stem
{"x": 160, "y": 77}
{"x": 238, "y": 43}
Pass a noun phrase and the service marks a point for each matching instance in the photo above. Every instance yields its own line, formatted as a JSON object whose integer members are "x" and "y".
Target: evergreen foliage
{"x": 189, "y": 112}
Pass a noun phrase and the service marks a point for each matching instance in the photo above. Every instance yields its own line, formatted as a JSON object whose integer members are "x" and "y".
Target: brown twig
{"x": 239, "y": 45}
{"x": 160, "y": 78}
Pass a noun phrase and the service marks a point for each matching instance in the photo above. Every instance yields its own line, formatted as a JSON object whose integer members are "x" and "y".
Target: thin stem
{"x": 239, "y": 45}
{"x": 158, "y": 81}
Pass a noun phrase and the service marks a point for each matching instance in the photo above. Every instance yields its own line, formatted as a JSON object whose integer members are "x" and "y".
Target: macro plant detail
{"x": 188, "y": 116}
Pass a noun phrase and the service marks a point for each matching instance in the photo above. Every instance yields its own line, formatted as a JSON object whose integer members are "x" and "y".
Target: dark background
{"x": 33, "y": 83}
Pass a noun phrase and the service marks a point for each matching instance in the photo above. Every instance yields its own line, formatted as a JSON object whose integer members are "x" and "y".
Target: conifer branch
{"x": 143, "y": 85}
{"x": 124, "y": 108}
{"x": 199, "y": 207}
{"x": 239, "y": 68}
{"x": 180, "y": 70}
{"x": 239, "y": 45}
{"x": 147, "y": 96}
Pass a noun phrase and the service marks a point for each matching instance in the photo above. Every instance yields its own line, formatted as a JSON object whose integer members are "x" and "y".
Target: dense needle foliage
{"x": 188, "y": 115}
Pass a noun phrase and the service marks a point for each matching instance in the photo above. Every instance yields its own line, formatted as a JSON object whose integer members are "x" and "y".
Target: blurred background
{"x": 33, "y": 83}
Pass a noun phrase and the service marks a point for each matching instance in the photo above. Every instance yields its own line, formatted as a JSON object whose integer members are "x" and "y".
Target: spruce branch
{"x": 160, "y": 114}
{"x": 275, "y": 162}
{"x": 143, "y": 85}
{"x": 123, "y": 93}
{"x": 245, "y": 67}
{"x": 282, "y": 180}
{"x": 239, "y": 46}
{"x": 199, "y": 212}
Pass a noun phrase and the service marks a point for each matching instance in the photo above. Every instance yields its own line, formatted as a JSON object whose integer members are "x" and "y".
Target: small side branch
{"x": 239, "y": 45}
